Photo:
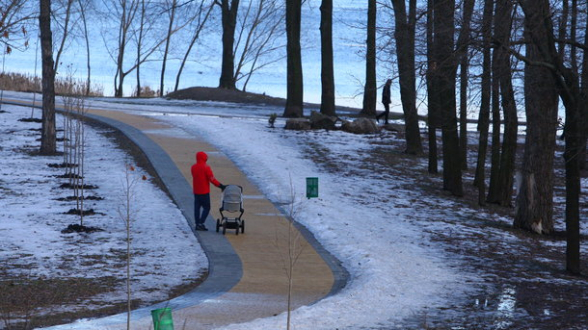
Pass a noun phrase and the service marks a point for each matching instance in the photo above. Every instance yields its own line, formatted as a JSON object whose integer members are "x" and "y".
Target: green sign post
{"x": 311, "y": 187}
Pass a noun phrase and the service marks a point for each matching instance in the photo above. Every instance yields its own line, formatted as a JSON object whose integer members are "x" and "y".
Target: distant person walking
{"x": 202, "y": 177}
{"x": 386, "y": 101}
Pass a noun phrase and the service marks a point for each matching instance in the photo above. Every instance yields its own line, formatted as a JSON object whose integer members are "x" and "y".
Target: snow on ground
{"x": 386, "y": 231}
{"x": 378, "y": 224}
{"x": 32, "y": 218}
{"x": 370, "y": 235}
{"x": 391, "y": 276}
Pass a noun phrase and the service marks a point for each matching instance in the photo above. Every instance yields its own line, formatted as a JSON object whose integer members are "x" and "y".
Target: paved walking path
{"x": 247, "y": 273}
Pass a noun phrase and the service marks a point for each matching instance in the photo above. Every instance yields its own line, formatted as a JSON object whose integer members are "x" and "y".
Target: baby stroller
{"x": 232, "y": 202}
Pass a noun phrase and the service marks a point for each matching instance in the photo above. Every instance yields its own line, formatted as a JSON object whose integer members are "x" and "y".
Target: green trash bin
{"x": 311, "y": 187}
{"x": 162, "y": 319}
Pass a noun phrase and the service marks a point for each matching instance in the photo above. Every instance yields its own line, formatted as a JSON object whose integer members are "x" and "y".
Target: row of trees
{"x": 137, "y": 31}
{"x": 134, "y": 32}
{"x": 539, "y": 38}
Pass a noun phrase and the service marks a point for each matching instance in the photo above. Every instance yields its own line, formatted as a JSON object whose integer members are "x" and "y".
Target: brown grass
{"x": 19, "y": 82}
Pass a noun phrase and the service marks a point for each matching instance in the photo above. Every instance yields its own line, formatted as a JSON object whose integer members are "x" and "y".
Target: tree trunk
{"x": 140, "y": 46}
{"x": 167, "y": 42}
{"x": 48, "y": 133}
{"x": 496, "y": 131}
{"x": 463, "y": 112}
{"x": 66, "y": 21}
{"x": 463, "y": 44}
{"x": 502, "y": 181}
{"x": 125, "y": 19}
{"x": 87, "y": 41}
{"x": 295, "y": 87}
{"x": 229, "y": 20}
{"x": 575, "y": 98}
{"x": 404, "y": 34}
{"x": 433, "y": 107}
{"x": 327, "y": 71}
{"x": 446, "y": 72}
{"x": 534, "y": 203}
{"x": 484, "y": 115}
{"x": 370, "y": 94}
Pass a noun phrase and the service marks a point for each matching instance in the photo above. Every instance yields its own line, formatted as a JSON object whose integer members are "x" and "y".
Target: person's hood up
{"x": 201, "y": 157}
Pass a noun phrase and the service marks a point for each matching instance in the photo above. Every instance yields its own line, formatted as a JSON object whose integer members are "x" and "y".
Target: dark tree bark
{"x": 575, "y": 99}
{"x": 370, "y": 94}
{"x": 229, "y": 21}
{"x": 463, "y": 44}
{"x": 433, "y": 106}
{"x": 534, "y": 202}
{"x": 170, "y": 28}
{"x": 502, "y": 187}
{"x": 444, "y": 29}
{"x": 327, "y": 71}
{"x": 295, "y": 86}
{"x": 404, "y": 33}
{"x": 484, "y": 115}
{"x": 496, "y": 130}
{"x": 142, "y": 15}
{"x": 48, "y": 133}
{"x": 127, "y": 13}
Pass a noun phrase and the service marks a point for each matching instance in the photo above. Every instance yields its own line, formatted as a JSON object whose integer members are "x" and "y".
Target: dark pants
{"x": 385, "y": 113}
{"x": 201, "y": 201}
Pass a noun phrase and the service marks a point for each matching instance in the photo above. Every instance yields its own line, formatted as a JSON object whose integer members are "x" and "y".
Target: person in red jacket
{"x": 202, "y": 177}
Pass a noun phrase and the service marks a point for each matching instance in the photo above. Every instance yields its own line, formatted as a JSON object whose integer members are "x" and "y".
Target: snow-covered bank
{"x": 32, "y": 219}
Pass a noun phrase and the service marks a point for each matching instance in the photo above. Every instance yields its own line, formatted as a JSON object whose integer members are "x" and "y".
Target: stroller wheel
{"x": 242, "y": 226}
{"x": 237, "y": 230}
{"x": 224, "y": 228}
{"x": 217, "y": 225}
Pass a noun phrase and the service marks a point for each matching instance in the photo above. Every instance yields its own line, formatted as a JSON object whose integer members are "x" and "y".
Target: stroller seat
{"x": 232, "y": 202}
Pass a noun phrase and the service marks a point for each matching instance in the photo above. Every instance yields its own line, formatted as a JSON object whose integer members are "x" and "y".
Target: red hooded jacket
{"x": 202, "y": 175}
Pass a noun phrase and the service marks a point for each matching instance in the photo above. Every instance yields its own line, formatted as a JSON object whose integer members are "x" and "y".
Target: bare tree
{"x": 74, "y": 142}
{"x": 128, "y": 213}
{"x": 139, "y": 34}
{"x": 291, "y": 246}
{"x": 172, "y": 15}
{"x": 501, "y": 184}
{"x": 229, "y": 10}
{"x": 463, "y": 44}
{"x": 404, "y": 32}
{"x": 295, "y": 88}
{"x": 486, "y": 87}
{"x": 64, "y": 23}
{"x": 260, "y": 29}
{"x": 432, "y": 97}
{"x": 87, "y": 42}
{"x": 534, "y": 202}
{"x": 370, "y": 94}
{"x": 573, "y": 90}
{"x": 124, "y": 11}
{"x": 445, "y": 74}
{"x": 14, "y": 18}
{"x": 199, "y": 20}
{"x": 48, "y": 132}
{"x": 327, "y": 70}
